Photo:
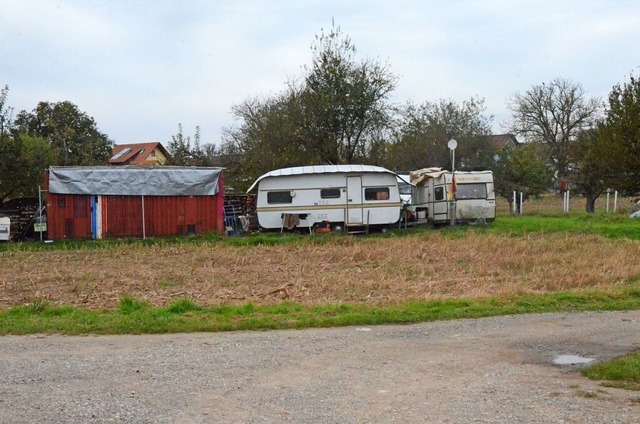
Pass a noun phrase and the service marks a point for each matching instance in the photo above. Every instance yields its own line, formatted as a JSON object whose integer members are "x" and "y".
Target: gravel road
{"x": 497, "y": 370}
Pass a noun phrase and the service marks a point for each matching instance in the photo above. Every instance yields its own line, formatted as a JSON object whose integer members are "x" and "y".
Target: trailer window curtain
{"x": 376, "y": 193}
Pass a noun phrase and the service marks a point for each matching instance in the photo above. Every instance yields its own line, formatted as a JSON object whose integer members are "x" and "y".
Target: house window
{"x": 279, "y": 197}
{"x": 439, "y": 193}
{"x": 376, "y": 193}
{"x": 153, "y": 153}
{"x": 330, "y": 193}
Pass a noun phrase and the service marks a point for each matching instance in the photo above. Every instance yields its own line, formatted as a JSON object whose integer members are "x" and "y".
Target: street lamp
{"x": 452, "y": 144}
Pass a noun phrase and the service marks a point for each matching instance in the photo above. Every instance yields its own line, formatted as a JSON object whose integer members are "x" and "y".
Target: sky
{"x": 140, "y": 68}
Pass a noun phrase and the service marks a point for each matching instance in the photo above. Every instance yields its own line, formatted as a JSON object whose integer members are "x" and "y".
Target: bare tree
{"x": 554, "y": 114}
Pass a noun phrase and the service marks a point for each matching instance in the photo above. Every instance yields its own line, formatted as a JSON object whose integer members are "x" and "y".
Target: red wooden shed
{"x": 130, "y": 201}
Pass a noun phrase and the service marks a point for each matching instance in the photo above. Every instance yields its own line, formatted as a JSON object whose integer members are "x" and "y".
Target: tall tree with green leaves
{"x": 589, "y": 170}
{"x": 345, "y": 101}
{"x": 180, "y": 148}
{"x": 424, "y": 131}
{"x": 23, "y": 160}
{"x": 268, "y": 137}
{"x": 186, "y": 151}
{"x": 555, "y": 114}
{"x": 73, "y": 135}
{"x": 523, "y": 169}
{"x": 621, "y": 134}
{"x": 6, "y": 114}
{"x": 338, "y": 113}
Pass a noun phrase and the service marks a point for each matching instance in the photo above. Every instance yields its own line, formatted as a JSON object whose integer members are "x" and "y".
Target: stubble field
{"x": 425, "y": 266}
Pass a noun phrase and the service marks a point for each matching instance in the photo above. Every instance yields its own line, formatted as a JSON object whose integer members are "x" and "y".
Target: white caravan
{"x": 475, "y": 199}
{"x": 337, "y": 197}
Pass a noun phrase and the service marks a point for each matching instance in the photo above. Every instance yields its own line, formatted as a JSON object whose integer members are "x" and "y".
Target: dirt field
{"x": 354, "y": 270}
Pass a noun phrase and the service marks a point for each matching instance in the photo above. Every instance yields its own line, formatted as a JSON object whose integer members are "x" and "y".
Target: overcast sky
{"x": 141, "y": 67}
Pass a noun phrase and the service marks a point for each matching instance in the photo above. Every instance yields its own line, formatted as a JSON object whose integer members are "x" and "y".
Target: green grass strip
{"x": 183, "y": 315}
{"x": 621, "y": 373}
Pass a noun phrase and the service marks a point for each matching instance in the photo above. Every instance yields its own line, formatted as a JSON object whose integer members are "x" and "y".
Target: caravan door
{"x": 354, "y": 200}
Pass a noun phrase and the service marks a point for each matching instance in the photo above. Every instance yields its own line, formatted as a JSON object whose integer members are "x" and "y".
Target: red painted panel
{"x": 121, "y": 216}
{"x": 69, "y": 216}
{"x": 163, "y": 215}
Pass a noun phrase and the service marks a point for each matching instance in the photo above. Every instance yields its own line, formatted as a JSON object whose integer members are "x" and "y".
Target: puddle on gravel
{"x": 571, "y": 360}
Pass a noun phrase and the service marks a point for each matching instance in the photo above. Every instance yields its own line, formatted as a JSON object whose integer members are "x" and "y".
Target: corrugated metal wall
{"x": 70, "y": 216}
{"x": 163, "y": 215}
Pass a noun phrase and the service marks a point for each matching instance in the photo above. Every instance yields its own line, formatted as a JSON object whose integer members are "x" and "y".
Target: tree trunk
{"x": 591, "y": 204}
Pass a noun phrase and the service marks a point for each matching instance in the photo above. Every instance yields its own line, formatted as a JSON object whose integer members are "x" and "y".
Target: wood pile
{"x": 21, "y": 212}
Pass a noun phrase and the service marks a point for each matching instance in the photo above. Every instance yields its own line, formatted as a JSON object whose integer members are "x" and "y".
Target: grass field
{"x": 505, "y": 259}
{"x": 533, "y": 253}
{"x": 541, "y": 261}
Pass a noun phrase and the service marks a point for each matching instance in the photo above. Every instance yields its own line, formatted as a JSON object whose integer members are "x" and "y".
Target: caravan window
{"x": 376, "y": 193}
{"x": 279, "y": 197}
{"x": 439, "y": 193}
{"x": 405, "y": 188}
{"x": 471, "y": 191}
{"x": 330, "y": 193}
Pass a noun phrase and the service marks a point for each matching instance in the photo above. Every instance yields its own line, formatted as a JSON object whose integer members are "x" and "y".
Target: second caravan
{"x": 338, "y": 197}
{"x": 473, "y": 192}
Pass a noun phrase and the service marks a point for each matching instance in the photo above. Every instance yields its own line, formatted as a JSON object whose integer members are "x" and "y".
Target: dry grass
{"x": 374, "y": 271}
{"x": 554, "y": 203}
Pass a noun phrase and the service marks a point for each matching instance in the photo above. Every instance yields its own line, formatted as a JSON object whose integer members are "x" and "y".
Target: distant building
{"x": 500, "y": 141}
{"x": 139, "y": 154}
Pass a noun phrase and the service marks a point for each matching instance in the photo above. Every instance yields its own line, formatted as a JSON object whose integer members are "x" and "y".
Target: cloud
{"x": 142, "y": 67}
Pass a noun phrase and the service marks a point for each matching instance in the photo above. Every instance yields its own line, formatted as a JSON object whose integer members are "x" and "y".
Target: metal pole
{"x": 453, "y": 192}
{"x": 520, "y": 203}
{"x": 607, "y": 201}
{"x": 452, "y": 144}
{"x": 40, "y": 209}
{"x": 615, "y": 201}
{"x": 144, "y": 235}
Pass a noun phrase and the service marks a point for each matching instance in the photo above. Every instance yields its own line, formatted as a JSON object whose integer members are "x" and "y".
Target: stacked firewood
{"x": 21, "y": 212}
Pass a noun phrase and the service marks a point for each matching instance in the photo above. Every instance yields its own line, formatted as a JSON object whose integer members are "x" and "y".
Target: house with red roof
{"x": 139, "y": 154}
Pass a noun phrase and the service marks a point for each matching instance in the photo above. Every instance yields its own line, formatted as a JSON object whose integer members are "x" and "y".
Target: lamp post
{"x": 452, "y": 144}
